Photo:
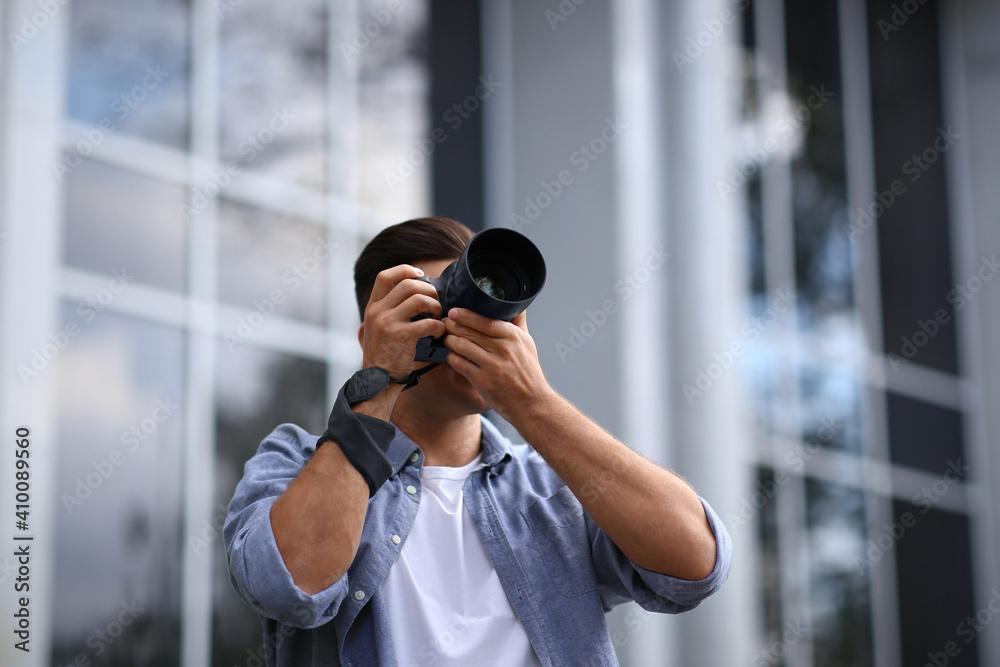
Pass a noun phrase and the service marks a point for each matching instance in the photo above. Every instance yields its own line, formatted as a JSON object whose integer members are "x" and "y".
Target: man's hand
{"x": 390, "y": 338}
{"x": 499, "y": 359}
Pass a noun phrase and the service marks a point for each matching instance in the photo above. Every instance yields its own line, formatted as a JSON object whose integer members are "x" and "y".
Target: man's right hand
{"x": 389, "y": 337}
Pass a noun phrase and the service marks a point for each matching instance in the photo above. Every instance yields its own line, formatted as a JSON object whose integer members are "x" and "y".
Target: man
{"x": 454, "y": 547}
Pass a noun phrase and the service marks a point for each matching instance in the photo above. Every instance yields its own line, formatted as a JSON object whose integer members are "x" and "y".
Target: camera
{"x": 499, "y": 273}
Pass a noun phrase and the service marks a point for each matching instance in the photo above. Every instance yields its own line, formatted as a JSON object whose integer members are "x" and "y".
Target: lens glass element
{"x": 491, "y": 286}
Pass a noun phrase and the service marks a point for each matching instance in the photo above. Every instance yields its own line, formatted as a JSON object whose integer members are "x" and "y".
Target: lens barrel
{"x": 498, "y": 275}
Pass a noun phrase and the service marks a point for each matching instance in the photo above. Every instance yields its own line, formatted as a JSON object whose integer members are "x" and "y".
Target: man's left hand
{"x": 499, "y": 359}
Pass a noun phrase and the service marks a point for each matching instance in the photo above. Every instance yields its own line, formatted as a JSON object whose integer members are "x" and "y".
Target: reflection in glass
{"x": 831, "y": 409}
{"x": 260, "y": 252}
{"x": 272, "y": 78}
{"x": 120, "y": 220}
{"x": 823, "y": 254}
{"x": 255, "y": 392}
{"x": 118, "y": 520}
{"x": 394, "y": 89}
{"x": 128, "y": 66}
{"x": 769, "y": 579}
{"x": 840, "y": 591}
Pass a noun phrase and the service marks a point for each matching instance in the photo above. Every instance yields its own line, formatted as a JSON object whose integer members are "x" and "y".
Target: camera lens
{"x": 491, "y": 286}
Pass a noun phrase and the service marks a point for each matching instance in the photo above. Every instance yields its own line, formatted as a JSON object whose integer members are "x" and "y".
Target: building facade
{"x": 771, "y": 233}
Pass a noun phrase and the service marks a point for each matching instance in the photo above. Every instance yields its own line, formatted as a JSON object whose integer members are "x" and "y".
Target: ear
{"x": 361, "y": 335}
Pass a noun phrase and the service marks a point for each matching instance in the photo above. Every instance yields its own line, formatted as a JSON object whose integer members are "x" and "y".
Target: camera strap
{"x": 414, "y": 377}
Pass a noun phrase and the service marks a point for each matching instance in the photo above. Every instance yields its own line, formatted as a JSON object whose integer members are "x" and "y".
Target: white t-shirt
{"x": 446, "y": 605}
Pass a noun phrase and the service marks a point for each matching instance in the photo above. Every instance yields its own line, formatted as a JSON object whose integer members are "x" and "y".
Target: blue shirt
{"x": 560, "y": 571}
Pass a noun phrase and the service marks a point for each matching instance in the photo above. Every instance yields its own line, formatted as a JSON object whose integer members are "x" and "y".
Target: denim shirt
{"x": 560, "y": 571}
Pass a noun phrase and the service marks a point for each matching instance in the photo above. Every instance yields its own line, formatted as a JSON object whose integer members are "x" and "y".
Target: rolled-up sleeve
{"x": 256, "y": 568}
{"x": 621, "y": 580}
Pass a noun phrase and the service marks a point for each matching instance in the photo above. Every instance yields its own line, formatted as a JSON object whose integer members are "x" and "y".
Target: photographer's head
{"x": 430, "y": 244}
{"x": 411, "y": 242}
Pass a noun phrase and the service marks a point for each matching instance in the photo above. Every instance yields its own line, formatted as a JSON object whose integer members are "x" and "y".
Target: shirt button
{"x": 414, "y": 457}
{"x": 396, "y": 539}
{"x": 411, "y": 489}
{"x": 359, "y": 595}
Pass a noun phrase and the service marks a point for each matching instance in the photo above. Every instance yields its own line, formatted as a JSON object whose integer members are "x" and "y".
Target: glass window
{"x": 831, "y": 409}
{"x": 256, "y": 391}
{"x": 128, "y": 68}
{"x": 272, "y": 263}
{"x": 840, "y": 596}
{"x": 922, "y": 435}
{"x": 910, "y": 204}
{"x": 272, "y": 75}
{"x": 823, "y": 254}
{"x": 393, "y": 164}
{"x": 120, "y": 220}
{"x": 118, "y": 520}
{"x": 769, "y": 581}
{"x": 934, "y": 577}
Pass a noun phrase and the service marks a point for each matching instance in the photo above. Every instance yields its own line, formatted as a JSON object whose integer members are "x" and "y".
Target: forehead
{"x": 433, "y": 267}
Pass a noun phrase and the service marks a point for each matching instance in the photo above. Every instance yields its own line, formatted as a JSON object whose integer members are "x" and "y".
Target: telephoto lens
{"x": 498, "y": 275}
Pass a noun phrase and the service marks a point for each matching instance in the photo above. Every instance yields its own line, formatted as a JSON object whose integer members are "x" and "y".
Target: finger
{"x": 427, "y": 327}
{"x": 460, "y": 364}
{"x": 472, "y": 322}
{"x": 406, "y": 289}
{"x": 466, "y": 348}
{"x": 415, "y": 304}
{"x": 387, "y": 279}
{"x": 521, "y": 321}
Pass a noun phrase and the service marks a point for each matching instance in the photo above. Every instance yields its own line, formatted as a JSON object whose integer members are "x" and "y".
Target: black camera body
{"x": 498, "y": 275}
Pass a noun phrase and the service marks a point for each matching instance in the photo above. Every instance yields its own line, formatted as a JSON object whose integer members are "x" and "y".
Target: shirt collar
{"x": 496, "y": 448}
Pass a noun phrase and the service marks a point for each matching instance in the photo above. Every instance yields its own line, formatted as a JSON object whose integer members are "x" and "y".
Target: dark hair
{"x": 418, "y": 240}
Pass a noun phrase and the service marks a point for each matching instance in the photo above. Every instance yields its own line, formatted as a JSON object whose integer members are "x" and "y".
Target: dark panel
{"x": 922, "y": 435}
{"x": 456, "y": 109}
{"x": 934, "y": 576}
{"x": 823, "y": 253}
{"x": 910, "y": 140}
{"x": 769, "y": 567}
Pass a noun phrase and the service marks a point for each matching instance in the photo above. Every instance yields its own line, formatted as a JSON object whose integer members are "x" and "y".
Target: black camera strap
{"x": 414, "y": 377}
